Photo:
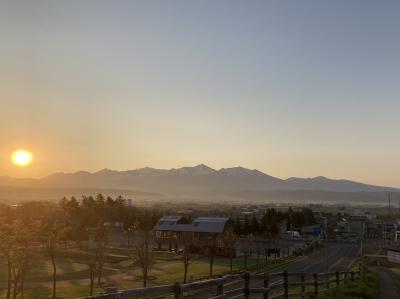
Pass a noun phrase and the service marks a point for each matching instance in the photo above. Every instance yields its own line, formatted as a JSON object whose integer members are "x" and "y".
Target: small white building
{"x": 292, "y": 234}
{"x": 393, "y": 255}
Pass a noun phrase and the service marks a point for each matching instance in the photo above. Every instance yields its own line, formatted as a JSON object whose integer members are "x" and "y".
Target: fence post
{"x": 352, "y": 275}
{"x": 220, "y": 289}
{"x": 111, "y": 290}
{"x": 246, "y": 289}
{"x": 315, "y": 283}
{"x": 285, "y": 285}
{"x": 266, "y": 286}
{"x": 303, "y": 287}
{"x": 337, "y": 279}
{"x": 328, "y": 280}
{"x": 360, "y": 269}
{"x": 345, "y": 277}
{"x": 178, "y": 293}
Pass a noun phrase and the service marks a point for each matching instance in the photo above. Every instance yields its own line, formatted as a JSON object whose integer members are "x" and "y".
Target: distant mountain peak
{"x": 82, "y": 172}
{"x": 200, "y": 169}
{"x": 203, "y": 166}
{"x": 318, "y": 178}
{"x": 239, "y": 170}
{"x": 106, "y": 171}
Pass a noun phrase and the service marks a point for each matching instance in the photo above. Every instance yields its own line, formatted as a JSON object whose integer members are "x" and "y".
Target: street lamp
{"x": 362, "y": 240}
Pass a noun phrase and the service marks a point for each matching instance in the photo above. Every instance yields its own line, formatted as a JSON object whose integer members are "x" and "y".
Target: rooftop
{"x": 200, "y": 224}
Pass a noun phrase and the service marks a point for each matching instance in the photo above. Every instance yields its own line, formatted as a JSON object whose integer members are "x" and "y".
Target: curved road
{"x": 388, "y": 289}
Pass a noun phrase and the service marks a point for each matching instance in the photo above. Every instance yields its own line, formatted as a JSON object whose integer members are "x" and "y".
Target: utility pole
{"x": 326, "y": 244}
{"x": 362, "y": 240}
{"x": 390, "y": 217}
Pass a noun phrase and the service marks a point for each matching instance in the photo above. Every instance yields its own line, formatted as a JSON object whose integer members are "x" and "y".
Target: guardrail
{"x": 273, "y": 285}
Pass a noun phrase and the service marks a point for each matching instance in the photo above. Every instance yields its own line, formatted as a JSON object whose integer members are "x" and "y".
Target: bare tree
{"x": 101, "y": 246}
{"x": 142, "y": 251}
{"x": 211, "y": 252}
{"x": 256, "y": 242}
{"x": 98, "y": 244}
{"x": 229, "y": 240}
{"x": 186, "y": 240}
{"x": 92, "y": 272}
{"x": 92, "y": 262}
{"x": 52, "y": 230}
{"x": 22, "y": 252}
{"x": 6, "y": 249}
{"x": 21, "y": 265}
{"x": 246, "y": 251}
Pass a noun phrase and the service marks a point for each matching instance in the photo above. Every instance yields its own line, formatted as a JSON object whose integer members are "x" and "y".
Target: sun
{"x": 21, "y": 157}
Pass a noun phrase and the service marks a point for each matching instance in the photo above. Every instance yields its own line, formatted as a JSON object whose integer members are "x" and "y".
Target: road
{"x": 340, "y": 258}
{"x": 388, "y": 288}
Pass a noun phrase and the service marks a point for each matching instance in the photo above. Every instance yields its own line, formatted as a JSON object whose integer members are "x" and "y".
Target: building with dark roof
{"x": 204, "y": 232}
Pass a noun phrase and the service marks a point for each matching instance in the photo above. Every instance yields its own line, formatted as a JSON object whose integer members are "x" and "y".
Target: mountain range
{"x": 199, "y": 180}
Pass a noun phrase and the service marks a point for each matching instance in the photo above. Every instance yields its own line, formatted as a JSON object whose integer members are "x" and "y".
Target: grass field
{"x": 120, "y": 270}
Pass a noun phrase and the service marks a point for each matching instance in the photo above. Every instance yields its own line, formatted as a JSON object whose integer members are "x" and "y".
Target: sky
{"x": 292, "y": 88}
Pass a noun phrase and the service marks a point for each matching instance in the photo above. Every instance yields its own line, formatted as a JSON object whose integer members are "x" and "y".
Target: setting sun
{"x": 21, "y": 158}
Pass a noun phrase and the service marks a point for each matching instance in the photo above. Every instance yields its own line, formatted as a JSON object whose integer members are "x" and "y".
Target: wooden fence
{"x": 261, "y": 266}
{"x": 243, "y": 285}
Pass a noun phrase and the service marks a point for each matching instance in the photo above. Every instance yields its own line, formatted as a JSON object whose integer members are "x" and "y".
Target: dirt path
{"x": 388, "y": 288}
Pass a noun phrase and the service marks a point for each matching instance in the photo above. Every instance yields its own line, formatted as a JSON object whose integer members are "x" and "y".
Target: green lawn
{"x": 199, "y": 268}
{"x": 42, "y": 269}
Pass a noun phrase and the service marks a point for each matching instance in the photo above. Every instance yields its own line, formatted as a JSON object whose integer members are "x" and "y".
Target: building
{"x": 312, "y": 230}
{"x": 175, "y": 232}
{"x": 362, "y": 216}
{"x": 393, "y": 255}
{"x": 350, "y": 230}
{"x": 170, "y": 230}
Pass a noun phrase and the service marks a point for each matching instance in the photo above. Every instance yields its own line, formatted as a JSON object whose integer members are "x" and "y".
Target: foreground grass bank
{"x": 365, "y": 288}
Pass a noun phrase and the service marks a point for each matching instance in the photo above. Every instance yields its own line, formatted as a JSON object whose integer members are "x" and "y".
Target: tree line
{"x": 271, "y": 220}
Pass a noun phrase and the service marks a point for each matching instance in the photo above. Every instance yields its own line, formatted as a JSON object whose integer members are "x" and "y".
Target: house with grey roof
{"x": 201, "y": 234}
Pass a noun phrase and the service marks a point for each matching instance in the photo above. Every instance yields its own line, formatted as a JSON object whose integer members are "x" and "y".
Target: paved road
{"x": 340, "y": 257}
{"x": 388, "y": 289}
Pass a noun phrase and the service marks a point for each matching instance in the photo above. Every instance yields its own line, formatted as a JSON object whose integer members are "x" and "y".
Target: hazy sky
{"x": 293, "y": 88}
